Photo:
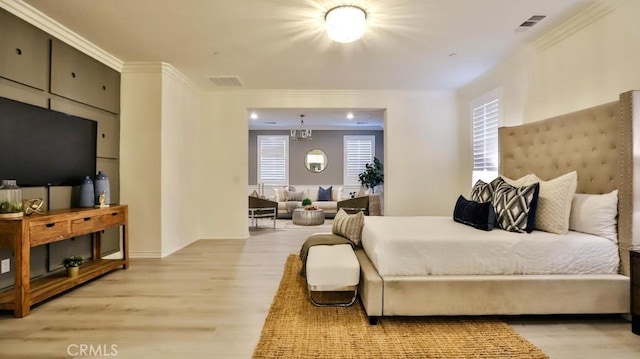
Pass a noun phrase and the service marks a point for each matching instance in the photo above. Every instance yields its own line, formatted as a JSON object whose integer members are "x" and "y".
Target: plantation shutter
{"x": 273, "y": 160}
{"x": 486, "y": 119}
{"x": 358, "y": 151}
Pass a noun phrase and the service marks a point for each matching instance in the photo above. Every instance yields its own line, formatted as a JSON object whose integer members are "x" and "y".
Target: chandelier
{"x": 301, "y": 134}
{"x": 345, "y": 23}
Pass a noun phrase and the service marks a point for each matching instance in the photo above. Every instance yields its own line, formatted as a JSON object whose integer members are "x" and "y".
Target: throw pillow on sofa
{"x": 325, "y": 194}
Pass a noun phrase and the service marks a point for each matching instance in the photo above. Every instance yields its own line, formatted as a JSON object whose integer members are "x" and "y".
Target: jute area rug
{"x": 294, "y": 328}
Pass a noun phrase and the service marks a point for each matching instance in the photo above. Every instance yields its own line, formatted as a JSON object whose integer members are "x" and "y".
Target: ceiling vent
{"x": 530, "y": 23}
{"x": 226, "y": 81}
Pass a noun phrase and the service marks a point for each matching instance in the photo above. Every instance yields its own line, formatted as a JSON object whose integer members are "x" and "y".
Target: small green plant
{"x": 72, "y": 261}
{"x": 306, "y": 201}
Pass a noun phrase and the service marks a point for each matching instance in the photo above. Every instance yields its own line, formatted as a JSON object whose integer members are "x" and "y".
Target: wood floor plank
{"x": 210, "y": 299}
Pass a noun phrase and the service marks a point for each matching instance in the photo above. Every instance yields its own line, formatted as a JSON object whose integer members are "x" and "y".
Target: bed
{"x": 597, "y": 144}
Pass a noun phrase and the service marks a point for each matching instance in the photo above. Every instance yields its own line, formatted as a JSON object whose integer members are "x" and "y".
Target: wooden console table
{"x": 35, "y": 230}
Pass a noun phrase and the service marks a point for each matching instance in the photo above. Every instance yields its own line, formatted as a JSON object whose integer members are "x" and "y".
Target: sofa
{"x": 290, "y": 197}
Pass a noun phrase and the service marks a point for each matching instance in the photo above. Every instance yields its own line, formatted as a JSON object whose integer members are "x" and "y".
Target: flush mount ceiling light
{"x": 345, "y": 23}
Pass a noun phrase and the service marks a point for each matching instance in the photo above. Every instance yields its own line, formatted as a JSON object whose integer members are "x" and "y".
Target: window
{"x": 358, "y": 151}
{"x": 273, "y": 160}
{"x": 485, "y": 114}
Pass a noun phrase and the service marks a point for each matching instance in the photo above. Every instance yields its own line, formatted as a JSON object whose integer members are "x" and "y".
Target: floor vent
{"x": 226, "y": 81}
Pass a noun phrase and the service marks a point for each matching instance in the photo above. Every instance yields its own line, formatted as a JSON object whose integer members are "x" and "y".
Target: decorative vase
{"x": 101, "y": 185}
{"x": 10, "y": 200}
{"x": 87, "y": 194}
{"x": 72, "y": 272}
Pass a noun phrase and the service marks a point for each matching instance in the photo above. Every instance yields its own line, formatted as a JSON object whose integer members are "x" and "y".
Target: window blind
{"x": 358, "y": 151}
{"x": 273, "y": 160}
{"x": 486, "y": 119}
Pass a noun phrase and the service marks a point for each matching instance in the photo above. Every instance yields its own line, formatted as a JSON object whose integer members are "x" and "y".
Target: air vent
{"x": 226, "y": 81}
{"x": 361, "y": 123}
{"x": 270, "y": 123}
{"x": 530, "y": 23}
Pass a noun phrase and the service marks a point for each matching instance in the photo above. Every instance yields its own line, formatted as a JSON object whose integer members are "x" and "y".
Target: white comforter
{"x": 439, "y": 246}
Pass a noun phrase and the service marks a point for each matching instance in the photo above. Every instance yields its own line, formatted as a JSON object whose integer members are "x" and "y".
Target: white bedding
{"x": 408, "y": 246}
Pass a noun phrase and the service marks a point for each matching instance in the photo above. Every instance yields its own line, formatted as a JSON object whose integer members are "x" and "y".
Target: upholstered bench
{"x": 332, "y": 268}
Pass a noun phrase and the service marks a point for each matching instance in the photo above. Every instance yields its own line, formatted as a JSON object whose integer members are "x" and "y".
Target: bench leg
{"x": 331, "y": 304}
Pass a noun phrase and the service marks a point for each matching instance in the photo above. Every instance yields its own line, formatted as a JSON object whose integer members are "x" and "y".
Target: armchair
{"x": 262, "y": 208}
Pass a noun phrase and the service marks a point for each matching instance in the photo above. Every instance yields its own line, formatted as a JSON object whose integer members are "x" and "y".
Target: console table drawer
{"x": 85, "y": 224}
{"x": 114, "y": 217}
{"x": 48, "y": 232}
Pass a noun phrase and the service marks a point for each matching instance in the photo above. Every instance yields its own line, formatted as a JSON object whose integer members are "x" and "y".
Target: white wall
{"x": 180, "y": 111}
{"x": 586, "y": 61}
{"x": 159, "y": 110}
{"x": 140, "y": 160}
{"x": 422, "y": 151}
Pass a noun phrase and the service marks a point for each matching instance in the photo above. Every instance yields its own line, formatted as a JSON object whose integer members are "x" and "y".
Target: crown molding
{"x": 154, "y": 67}
{"x": 293, "y": 92}
{"x": 578, "y": 22}
{"x": 40, "y": 20}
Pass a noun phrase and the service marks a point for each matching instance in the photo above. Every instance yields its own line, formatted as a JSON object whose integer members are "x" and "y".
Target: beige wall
{"x": 159, "y": 110}
{"x": 422, "y": 171}
{"x": 586, "y": 61}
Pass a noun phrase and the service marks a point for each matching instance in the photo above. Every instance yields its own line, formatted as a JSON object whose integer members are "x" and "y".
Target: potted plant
{"x": 306, "y": 202}
{"x": 72, "y": 263}
{"x": 372, "y": 175}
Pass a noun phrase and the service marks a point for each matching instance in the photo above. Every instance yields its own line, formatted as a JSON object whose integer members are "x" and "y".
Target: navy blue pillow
{"x": 474, "y": 214}
{"x": 325, "y": 194}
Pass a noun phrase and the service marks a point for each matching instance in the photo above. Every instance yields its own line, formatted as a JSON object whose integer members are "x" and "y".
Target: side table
{"x": 635, "y": 292}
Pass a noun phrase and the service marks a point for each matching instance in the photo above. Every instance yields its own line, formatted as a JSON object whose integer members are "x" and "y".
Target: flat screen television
{"x": 42, "y": 147}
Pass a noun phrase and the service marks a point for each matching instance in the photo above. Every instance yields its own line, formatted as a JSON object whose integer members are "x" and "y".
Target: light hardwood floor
{"x": 210, "y": 299}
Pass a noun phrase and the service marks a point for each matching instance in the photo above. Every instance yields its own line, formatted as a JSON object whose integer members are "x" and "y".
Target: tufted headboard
{"x": 595, "y": 142}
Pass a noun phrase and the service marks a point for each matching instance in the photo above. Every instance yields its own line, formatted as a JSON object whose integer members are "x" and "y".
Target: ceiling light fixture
{"x": 254, "y": 116}
{"x": 345, "y": 23}
{"x": 350, "y": 116}
{"x": 301, "y": 134}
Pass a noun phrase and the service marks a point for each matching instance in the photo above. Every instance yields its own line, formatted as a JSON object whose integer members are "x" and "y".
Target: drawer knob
{"x": 114, "y": 214}
{"x": 49, "y": 225}
{"x": 18, "y": 51}
{"x": 87, "y": 219}
{"x": 73, "y": 74}
{"x": 104, "y": 88}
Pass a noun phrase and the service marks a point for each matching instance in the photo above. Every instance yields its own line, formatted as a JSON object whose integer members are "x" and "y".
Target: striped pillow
{"x": 349, "y": 226}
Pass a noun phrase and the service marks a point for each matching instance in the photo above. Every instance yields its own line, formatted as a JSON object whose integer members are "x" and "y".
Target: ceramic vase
{"x": 87, "y": 194}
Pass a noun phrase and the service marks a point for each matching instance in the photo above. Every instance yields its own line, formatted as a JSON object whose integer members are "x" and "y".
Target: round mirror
{"x": 315, "y": 160}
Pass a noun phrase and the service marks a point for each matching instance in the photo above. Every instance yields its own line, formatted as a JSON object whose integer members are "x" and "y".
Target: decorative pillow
{"x": 294, "y": 196}
{"x": 554, "y": 202}
{"x": 515, "y": 207}
{"x": 349, "y": 226}
{"x": 325, "y": 194}
{"x": 474, "y": 214}
{"x": 483, "y": 192}
{"x": 595, "y": 214}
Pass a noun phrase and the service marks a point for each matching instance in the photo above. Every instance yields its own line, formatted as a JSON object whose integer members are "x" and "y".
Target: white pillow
{"x": 522, "y": 181}
{"x": 554, "y": 202}
{"x": 595, "y": 214}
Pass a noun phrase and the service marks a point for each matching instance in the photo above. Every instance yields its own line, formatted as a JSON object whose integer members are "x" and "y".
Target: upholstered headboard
{"x": 595, "y": 142}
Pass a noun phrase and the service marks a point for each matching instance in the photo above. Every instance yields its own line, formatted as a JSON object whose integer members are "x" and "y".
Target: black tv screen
{"x": 41, "y": 147}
